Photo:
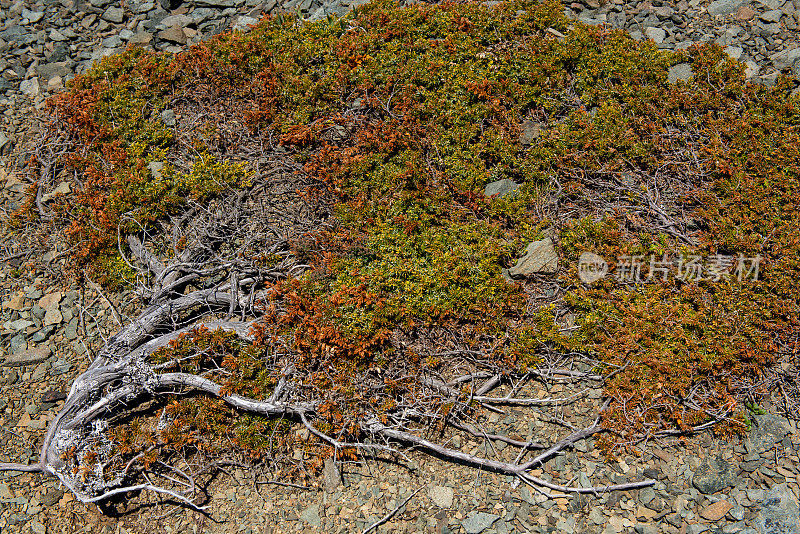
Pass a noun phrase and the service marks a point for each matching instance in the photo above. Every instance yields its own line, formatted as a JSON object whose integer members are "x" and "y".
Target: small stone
{"x": 530, "y": 132}
{"x": 725, "y": 7}
{"x": 173, "y": 34}
{"x": 57, "y": 36}
{"x": 331, "y": 477}
{"x": 53, "y": 317}
{"x": 28, "y": 357}
{"x": 477, "y": 522}
{"x": 656, "y": 34}
{"x": 311, "y": 515}
{"x": 681, "y": 71}
{"x": 501, "y": 188}
{"x": 441, "y": 496}
{"x": 745, "y": 13}
{"x": 716, "y": 511}
{"x": 113, "y": 14}
{"x": 713, "y": 475}
{"x": 60, "y": 367}
{"x": 735, "y": 52}
{"x": 32, "y": 16}
{"x": 30, "y": 87}
{"x": 168, "y": 117}
{"x": 540, "y": 257}
{"x": 773, "y": 15}
{"x": 53, "y": 395}
{"x": 155, "y": 168}
{"x": 779, "y": 512}
{"x": 52, "y": 497}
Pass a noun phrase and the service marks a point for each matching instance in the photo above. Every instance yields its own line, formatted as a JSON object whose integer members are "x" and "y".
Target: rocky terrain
{"x": 50, "y": 328}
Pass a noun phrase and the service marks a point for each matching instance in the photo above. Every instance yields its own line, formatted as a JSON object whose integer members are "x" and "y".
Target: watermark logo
{"x": 591, "y": 267}
{"x": 654, "y": 269}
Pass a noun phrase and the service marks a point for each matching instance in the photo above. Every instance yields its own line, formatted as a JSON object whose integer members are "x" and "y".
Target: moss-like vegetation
{"x": 431, "y": 101}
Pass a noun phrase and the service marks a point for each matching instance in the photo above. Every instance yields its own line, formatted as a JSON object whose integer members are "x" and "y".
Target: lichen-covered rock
{"x": 540, "y": 257}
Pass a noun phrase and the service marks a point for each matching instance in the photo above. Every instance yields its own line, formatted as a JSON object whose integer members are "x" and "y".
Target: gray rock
{"x": 477, "y": 522}
{"x": 735, "y": 52}
{"x": 60, "y": 367}
{"x": 114, "y": 14}
{"x": 530, "y": 131}
{"x": 785, "y": 58}
{"x": 155, "y": 168}
{"x": 218, "y": 3}
{"x": 30, "y": 87}
{"x": 773, "y": 15}
{"x": 168, "y": 118}
{"x": 52, "y": 497}
{"x": 48, "y": 70}
{"x": 540, "y": 257}
{"x": 99, "y": 3}
{"x": 173, "y": 34}
{"x": 767, "y": 431}
{"x": 646, "y": 495}
{"x": 311, "y": 516}
{"x": 18, "y": 344}
{"x": 725, "y": 7}
{"x": 713, "y": 475}
{"x": 656, "y": 34}
{"x": 681, "y": 71}
{"x": 441, "y": 496}
{"x": 32, "y": 16}
{"x": 112, "y": 41}
{"x": 501, "y": 188}
{"x": 28, "y": 357}
{"x": 331, "y": 478}
{"x": 779, "y": 512}
{"x": 56, "y": 35}
{"x": 42, "y": 334}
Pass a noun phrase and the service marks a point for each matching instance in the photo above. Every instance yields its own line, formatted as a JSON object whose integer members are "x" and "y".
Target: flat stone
{"x": 540, "y": 257}
{"x": 655, "y": 33}
{"x": 215, "y": 3}
{"x": 501, "y": 188}
{"x": 173, "y": 34}
{"x": 311, "y": 516}
{"x": 20, "y": 324}
{"x": 734, "y": 52}
{"x": 113, "y": 14}
{"x": 725, "y": 7}
{"x": 681, "y": 71}
{"x": 442, "y": 496}
{"x": 331, "y": 478}
{"x": 60, "y": 367}
{"x": 745, "y": 13}
{"x": 53, "y": 317}
{"x": 32, "y": 16}
{"x": 28, "y": 357}
{"x": 773, "y": 15}
{"x": 768, "y": 430}
{"x": 57, "y": 36}
{"x": 716, "y": 511}
{"x": 713, "y": 475}
{"x": 477, "y": 522}
{"x": 779, "y": 512}
{"x": 168, "y": 118}
{"x": 30, "y": 87}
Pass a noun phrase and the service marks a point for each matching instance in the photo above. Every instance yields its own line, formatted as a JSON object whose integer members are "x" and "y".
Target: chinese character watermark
{"x": 654, "y": 269}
